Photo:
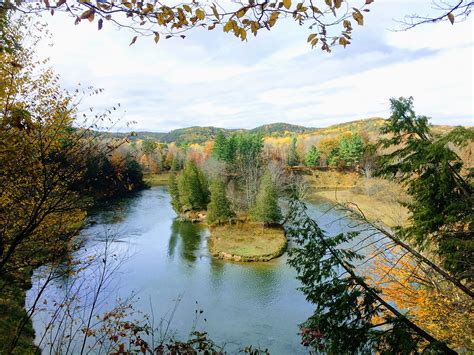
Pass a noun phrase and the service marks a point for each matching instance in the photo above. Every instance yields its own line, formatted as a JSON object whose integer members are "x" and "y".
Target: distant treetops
{"x": 241, "y": 185}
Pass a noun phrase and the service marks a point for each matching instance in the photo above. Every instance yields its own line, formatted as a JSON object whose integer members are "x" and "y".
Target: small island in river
{"x": 238, "y": 200}
{"x": 247, "y": 242}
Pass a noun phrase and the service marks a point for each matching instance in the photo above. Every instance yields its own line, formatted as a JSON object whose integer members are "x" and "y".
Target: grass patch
{"x": 330, "y": 180}
{"x": 247, "y": 242}
{"x": 157, "y": 179}
{"x": 379, "y": 199}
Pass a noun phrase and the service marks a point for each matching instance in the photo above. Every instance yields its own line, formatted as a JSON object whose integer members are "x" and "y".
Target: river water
{"x": 164, "y": 260}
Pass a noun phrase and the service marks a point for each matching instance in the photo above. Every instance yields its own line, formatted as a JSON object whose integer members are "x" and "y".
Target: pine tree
{"x": 192, "y": 187}
{"x": 266, "y": 209}
{"x": 174, "y": 193}
{"x": 351, "y": 149}
{"x": 174, "y": 164}
{"x": 220, "y": 145}
{"x": 219, "y": 209}
{"x": 312, "y": 157}
{"x": 293, "y": 158}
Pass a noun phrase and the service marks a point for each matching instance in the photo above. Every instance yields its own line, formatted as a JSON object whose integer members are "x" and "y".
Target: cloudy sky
{"x": 212, "y": 78}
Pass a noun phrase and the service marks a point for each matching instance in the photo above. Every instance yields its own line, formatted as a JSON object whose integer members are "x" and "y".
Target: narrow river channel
{"x": 164, "y": 260}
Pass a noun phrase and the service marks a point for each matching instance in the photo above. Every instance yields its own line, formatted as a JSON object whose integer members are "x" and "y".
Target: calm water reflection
{"x": 243, "y": 303}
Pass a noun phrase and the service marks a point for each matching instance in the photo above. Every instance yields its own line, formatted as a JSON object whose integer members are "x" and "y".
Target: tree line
{"x": 239, "y": 171}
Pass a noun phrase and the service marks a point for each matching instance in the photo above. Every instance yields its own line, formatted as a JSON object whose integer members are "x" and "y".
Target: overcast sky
{"x": 212, "y": 78}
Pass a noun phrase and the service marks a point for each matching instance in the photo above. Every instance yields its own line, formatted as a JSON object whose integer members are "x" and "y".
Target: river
{"x": 163, "y": 260}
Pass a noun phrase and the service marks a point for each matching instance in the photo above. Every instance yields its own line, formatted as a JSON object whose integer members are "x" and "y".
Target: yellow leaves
{"x": 157, "y": 37}
{"x": 343, "y": 41}
{"x": 451, "y": 18}
{"x": 287, "y": 4}
{"x": 160, "y": 19}
{"x": 434, "y": 305}
{"x": 230, "y": 25}
{"x": 127, "y": 5}
{"x": 200, "y": 14}
{"x": 313, "y": 39}
{"x": 337, "y": 3}
{"x": 273, "y": 18}
{"x": 241, "y": 12}
{"x": 254, "y": 27}
{"x": 357, "y": 15}
{"x": 187, "y": 8}
{"x": 243, "y": 34}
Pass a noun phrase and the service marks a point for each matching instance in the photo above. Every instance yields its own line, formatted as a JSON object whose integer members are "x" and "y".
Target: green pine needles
{"x": 266, "y": 209}
{"x": 219, "y": 209}
{"x": 189, "y": 190}
{"x": 441, "y": 188}
{"x": 351, "y": 316}
{"x": 312, "y": 157}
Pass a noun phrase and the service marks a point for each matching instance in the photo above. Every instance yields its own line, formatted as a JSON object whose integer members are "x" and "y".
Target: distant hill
{"x": 281, "y": 129}
{"x": 370, "y": 126}
{"x": 193, "y": 134}
{"x": 190, "y": 135}
{"x": 143, "y": 135}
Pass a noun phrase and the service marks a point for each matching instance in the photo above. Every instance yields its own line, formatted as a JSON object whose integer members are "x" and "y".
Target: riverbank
{"x": 157, "y": 179}
{"x": 247, "y": 242}
{"x": 379, "y": 199}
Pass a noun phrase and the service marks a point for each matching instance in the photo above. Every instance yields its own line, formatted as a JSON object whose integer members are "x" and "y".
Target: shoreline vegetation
{"x": 379, "y": 199}
{"x": 244, "y": 241}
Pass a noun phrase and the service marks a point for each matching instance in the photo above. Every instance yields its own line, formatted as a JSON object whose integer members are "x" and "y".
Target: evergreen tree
{"x": 220, "y": 144}
{"x": 351, "y": 149}
{"x": 133, "y": 173}
{"x": 174, "y": 193}
{"x": 230, "y": 150}
{"x": 219, "y": 209}
{"x": 175, "y": 164}
{"x": 312, "y": 157}
{"x": 293, "y": 158}
{"x": 441, "y": 188}
{"x": 192, "y": 187}
{"x": 266, "y": 207}
{"x": 334, "y": 158}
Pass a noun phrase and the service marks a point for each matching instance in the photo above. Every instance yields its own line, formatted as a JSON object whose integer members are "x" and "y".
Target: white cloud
{"x": 211, "y": 78}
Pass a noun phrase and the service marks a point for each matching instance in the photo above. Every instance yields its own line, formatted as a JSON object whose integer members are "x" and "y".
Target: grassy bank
{"x": 247, "y": 242}
{"x": 12, "y": 311}
{"x": 157, "y": 179}
{"x": 379, "y": 199}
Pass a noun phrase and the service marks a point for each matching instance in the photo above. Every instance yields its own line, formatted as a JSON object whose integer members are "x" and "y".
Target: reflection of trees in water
{"x": 217, "y": 268}
{"x": 262, "y": 281}
{"x": 112, "y": 211}
{"x": 189, "y": 235}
